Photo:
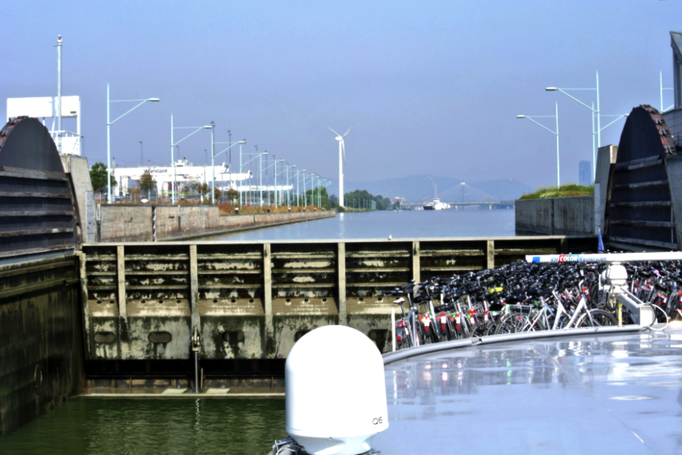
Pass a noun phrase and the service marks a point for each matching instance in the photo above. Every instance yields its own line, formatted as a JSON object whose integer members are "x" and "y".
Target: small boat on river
{"x": 436, "y": 204}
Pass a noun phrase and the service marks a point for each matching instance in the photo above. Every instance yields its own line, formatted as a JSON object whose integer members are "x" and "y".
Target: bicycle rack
{"x": 615, "y": 277}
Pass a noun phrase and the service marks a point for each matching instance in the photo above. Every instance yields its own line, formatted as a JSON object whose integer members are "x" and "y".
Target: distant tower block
{"x": 585, "y": 173}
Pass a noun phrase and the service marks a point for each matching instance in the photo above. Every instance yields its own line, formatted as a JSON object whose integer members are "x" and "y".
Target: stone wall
{"x": 144, "y": 223}
{"x": 125, "y": 223}
{"x": 555, "y": 216}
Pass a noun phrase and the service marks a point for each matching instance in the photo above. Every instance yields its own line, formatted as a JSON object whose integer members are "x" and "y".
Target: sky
{"x": 430, "y": 87}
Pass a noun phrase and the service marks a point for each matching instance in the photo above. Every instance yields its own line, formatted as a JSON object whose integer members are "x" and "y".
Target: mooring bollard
{"x": 236, "y": 210}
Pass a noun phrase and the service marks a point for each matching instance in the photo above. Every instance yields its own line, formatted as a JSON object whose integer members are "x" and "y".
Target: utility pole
{"x": 59, "y": 94}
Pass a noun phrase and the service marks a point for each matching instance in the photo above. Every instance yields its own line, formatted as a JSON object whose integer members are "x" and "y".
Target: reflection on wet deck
{"x": 612, "y": 393}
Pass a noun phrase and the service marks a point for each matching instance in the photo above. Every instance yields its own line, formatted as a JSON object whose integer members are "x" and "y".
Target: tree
{"x": 147, "y": 183}
{"x": 232, "y": 195}
{"x": 311, "y": 196}
{"x": 362, "y": 199}
{"x": 217, "y": 193}
{"x": 204, "y": 189}
{"x": 98, "y": 177}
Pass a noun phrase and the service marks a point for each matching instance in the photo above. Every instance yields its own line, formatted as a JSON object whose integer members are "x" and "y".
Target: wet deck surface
{"x": 611, "y": 393}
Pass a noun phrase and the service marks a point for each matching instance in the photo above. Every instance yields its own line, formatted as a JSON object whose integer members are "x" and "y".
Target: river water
{"x": 471, "y": 222}
{"x": 178, "y": 426}
{"x": 226, "y": 426}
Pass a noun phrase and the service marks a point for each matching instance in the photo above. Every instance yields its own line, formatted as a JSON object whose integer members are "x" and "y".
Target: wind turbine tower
{"x": 342, "y": 158}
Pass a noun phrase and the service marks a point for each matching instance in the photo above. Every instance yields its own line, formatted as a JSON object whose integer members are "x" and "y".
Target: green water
{"x": 151, "y": 427}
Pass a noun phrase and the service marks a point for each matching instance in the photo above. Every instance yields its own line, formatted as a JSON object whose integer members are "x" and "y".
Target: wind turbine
{"x": 342, "y": 158}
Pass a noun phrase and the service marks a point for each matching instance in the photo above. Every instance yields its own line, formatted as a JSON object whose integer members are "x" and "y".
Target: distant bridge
{"x": 490, "y": 205}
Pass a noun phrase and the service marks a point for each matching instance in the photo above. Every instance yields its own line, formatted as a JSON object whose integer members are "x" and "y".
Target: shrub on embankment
{"x": 568, "y": 190}
{"x": 229, "y": 209}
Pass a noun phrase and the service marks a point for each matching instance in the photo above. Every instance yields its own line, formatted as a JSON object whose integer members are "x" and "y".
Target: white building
{"x": 185, "y": 174}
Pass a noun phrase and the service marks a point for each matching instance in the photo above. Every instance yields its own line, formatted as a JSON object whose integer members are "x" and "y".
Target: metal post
{"x": 298, "y": 197}
{"x": 598, "y": 115}
{"x": 660, "y": 88}
{"x": 172, "y": 163}
{"x": 240, "y": 173}
{"x": 59, "y": 94}
{"x": 213, "y": 163}
{"x": 558, "y": 183}
{"x": 594, "y": 150}
{"x": 108, "y": 151}
{"x": 305, "y": 196}
{"x": 393, "y": 329}
{"x": 288, "y": 190}
{"x": 275, "y": 180}
{"x": 260, "y": 177}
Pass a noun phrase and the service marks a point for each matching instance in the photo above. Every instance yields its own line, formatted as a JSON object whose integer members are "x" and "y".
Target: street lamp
{"x": 661, "y": 88}
{"x": 286, "y": 169}
{"x": 556, "y": 133}
{"x": 213, "y": 155}
{"x": 594, "y": 111}
{"x": 174, "y": 144}
{"x": 141, "y": 154}
{"x": 258, "y": 156}
{"x": 109, "y": 123}
{"x": 298, "y": 197}
{"x": 288, "y": 189}
{"x": 305, "y": 198}
{"x": 275, "y": 174}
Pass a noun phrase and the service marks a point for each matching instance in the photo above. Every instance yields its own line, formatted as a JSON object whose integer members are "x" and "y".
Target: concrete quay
{"x": 151, "y": 223}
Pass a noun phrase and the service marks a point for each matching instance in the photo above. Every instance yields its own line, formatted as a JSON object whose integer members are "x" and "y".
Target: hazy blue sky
{"x": 433, "y": 87}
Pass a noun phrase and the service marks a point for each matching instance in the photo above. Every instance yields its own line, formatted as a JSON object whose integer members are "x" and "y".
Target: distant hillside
{"x": 420, "y": 188}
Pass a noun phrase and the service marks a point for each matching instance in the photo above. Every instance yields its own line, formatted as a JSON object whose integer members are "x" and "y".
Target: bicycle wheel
{"x": 479, "y": 329}
{"x": 511, "y": 323}
{"x": 599, "y": 318}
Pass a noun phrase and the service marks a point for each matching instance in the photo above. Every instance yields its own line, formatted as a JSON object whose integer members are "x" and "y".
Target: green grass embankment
{"x": 568, "y": 190}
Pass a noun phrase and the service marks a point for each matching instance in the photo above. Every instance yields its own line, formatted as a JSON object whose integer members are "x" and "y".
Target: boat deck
{"x": 598, "y": 393}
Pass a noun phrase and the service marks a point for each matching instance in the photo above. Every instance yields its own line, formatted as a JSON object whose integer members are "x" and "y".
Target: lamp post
{"x": 260, "y": 175}
{"x": 288, "y": 189}
{"x": 174, "y": 144}
{"x": 661, "y": 88}
{"x": 279, "y": 196}
{"x": 595, "y": 112}
{"x": 109, "y": 123}
{"x": 305, "y": 197}
{"x": 240, "y": 171}
{"x": 298, "y": 197}
{"x": 312, "y": 188}
{"x": 556, "y": 133}
{"x": 141, "y": 154}
{"x": 258, "y": 156}
{"x": 213, "y": 155}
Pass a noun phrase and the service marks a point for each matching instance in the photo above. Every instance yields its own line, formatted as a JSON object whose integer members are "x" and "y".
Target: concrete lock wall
{"x": 142, "y": 223}
{"x": 40, "y": 338}
{"x": 129, "y": 223}
{"x": 555, "y": 216}
{"x": 252, "y": 300}
{"x": 76, "y": 168}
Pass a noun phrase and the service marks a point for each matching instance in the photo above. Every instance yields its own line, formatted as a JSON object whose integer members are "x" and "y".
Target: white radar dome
{"x": 335, "y": 391}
